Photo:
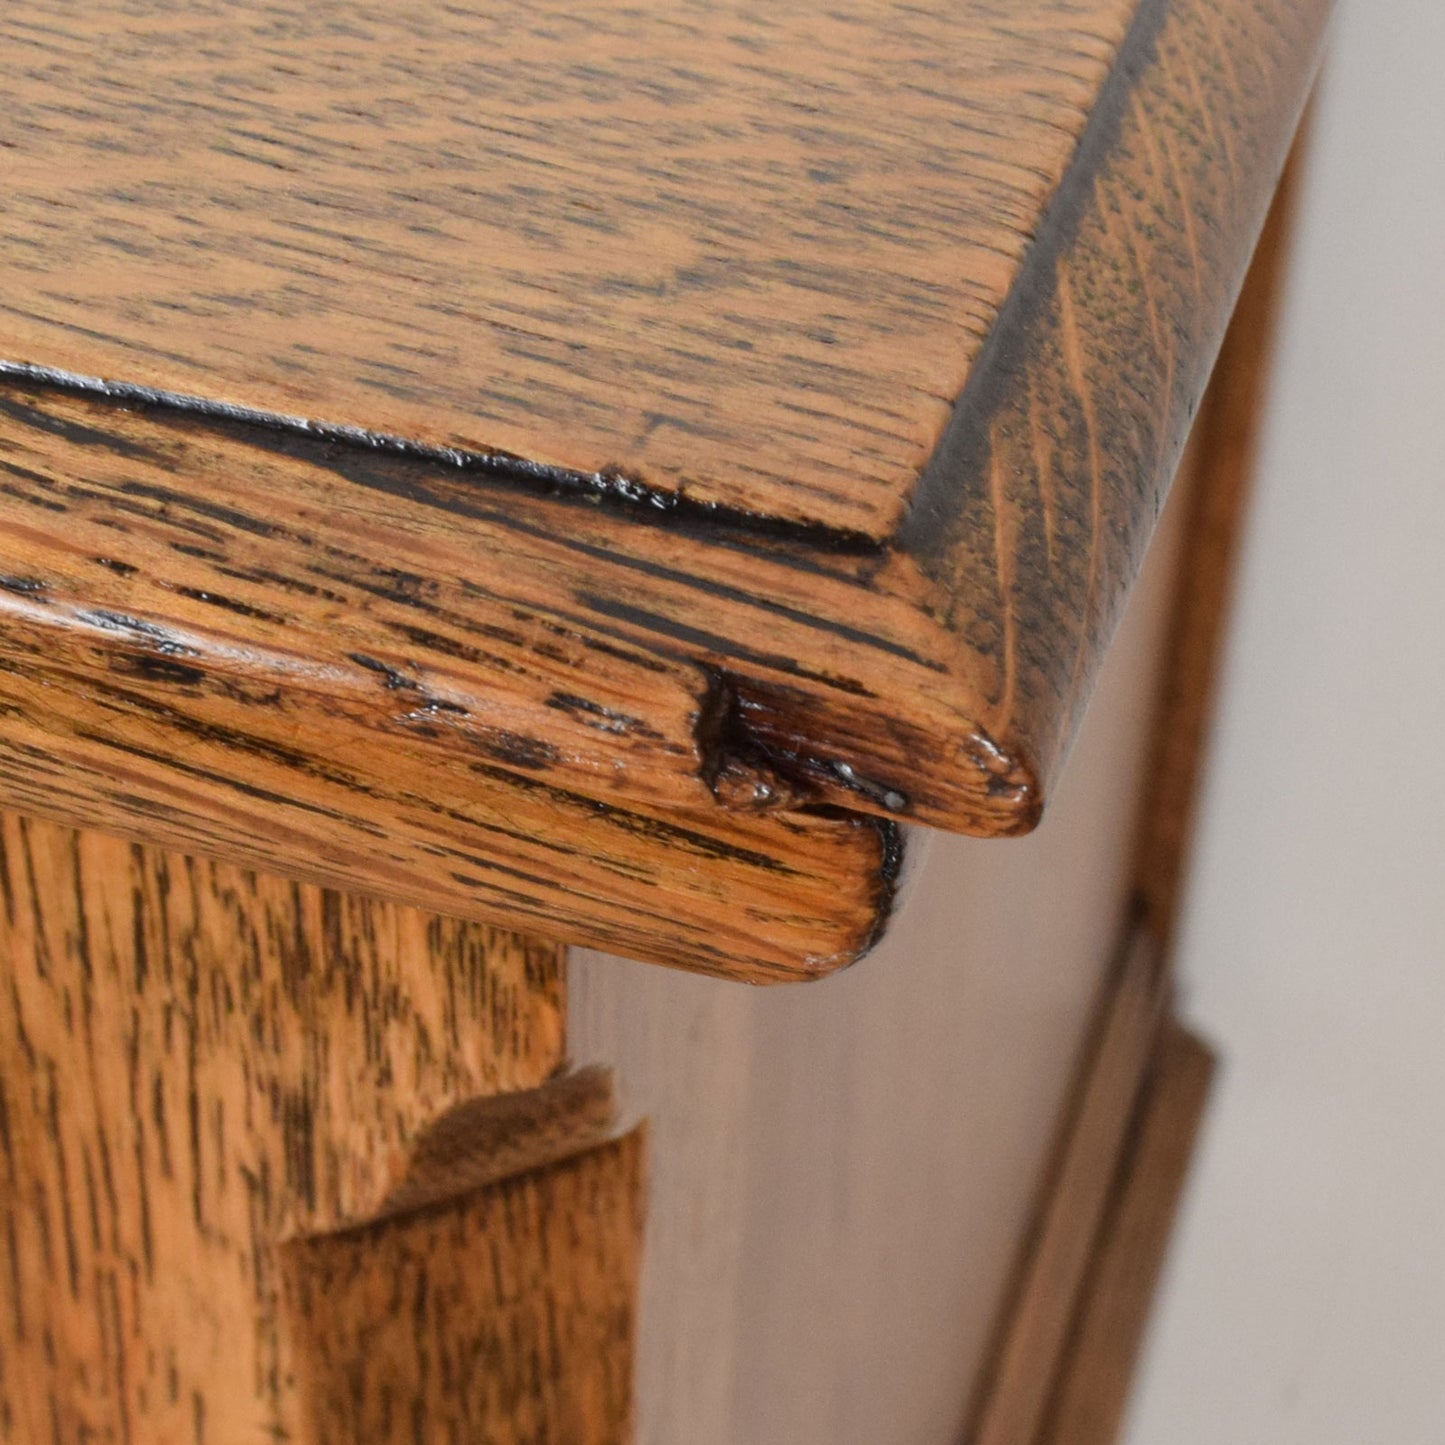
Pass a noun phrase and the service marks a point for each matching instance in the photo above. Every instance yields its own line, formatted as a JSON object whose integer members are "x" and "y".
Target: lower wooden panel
{"x": 841, "y": 1175}
{"x": 199, "y": 1064}
{"x": 1093, "y": 1386}
{"x": 1067, "y": 1353}
{"x": 504, "y": 1317}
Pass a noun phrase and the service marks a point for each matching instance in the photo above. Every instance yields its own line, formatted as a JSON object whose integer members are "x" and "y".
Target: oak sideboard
{"x": 520, "y": 521}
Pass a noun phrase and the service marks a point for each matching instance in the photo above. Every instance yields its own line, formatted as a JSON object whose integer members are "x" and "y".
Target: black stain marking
{"x": 214, "y": 599}
{"x": 24, "y": 586}
{"x": 594, "y": 714}
{"x": 148, "y": 668}
{"x": 396, "y": 681}
{"x": 159, "y": 638}
{"x": 280, "y": 431}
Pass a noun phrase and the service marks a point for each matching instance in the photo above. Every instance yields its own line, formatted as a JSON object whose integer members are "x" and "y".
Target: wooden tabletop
{"x": 600, "y": 468}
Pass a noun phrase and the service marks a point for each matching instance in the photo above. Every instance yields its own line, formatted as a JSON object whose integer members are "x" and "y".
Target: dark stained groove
{"x": 609, "y": 487}
{"x": 959, "y": 464}
{"x": 604, "y": 719}
{"x": 712, "y": 642}
{"x": 374, "y": 469}
{"x": 24, "y": 586}
{"x": 197, "y": 594}
{"x": 394, "y": 680}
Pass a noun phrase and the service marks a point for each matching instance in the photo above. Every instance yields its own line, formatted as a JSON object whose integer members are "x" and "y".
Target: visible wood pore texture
{"x": 744, "y": 254}
{"x": 507, "y": 1316}
{"x": 571, "y": 469}
{"x": 1033, "y": 515}
{"x": 198, "y": 1063}
{"x": 219, "y": 647}
{"x": 1093, "y": 1391}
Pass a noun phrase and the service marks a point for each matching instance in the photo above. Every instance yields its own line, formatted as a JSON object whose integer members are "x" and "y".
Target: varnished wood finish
{"x": 596, "y": 472}
{"x": 911, "y": 638}
{"x": 198, "y": 1063}
{"x": 1092, "y": 1392}
{"x": 741, "y": 254}
{"x": 1034, "y": 513}
{"x": 201, "y": 647}
{"x": 504, "y": 1317}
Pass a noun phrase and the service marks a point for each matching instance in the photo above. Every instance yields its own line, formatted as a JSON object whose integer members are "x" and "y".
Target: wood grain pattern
{"x": 1036, "y": 509}
{"x": 201, "y": 648}
{"x": 505, "y": 1317}
{"x": 519, "y": 686}
{"x": 742, "y": 254}
{"x": 200, "y": 1063}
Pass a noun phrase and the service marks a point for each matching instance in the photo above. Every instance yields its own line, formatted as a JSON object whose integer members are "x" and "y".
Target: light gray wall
{"x": 1305, "y": 1299}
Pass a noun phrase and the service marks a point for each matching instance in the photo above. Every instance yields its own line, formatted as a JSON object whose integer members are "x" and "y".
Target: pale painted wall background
{"x": 1305, "y": 1298}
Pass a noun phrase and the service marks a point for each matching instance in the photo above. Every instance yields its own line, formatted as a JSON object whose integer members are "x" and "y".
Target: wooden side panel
{"x": 196, "y": 1063}
{"x": 1093, "y": 1388}
{"x": 842, "y": 1175}
{"x": 1068, "y": 1353}
{"x": 506, "y": 1317}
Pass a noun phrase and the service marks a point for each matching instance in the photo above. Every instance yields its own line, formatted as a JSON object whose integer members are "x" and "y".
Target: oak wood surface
{"x": 504, "y": 1316}
{"x": 1033, "y": 514}
{"x": 460, "y": 668}
{"x": 596, "y": 472}
{"x": 203, "y": 650}
{"x": 744, "y": 254}
{"x": 519, "y": 691}
{"x": 197, "y": 1064}
{"x": 932, "y": 668}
